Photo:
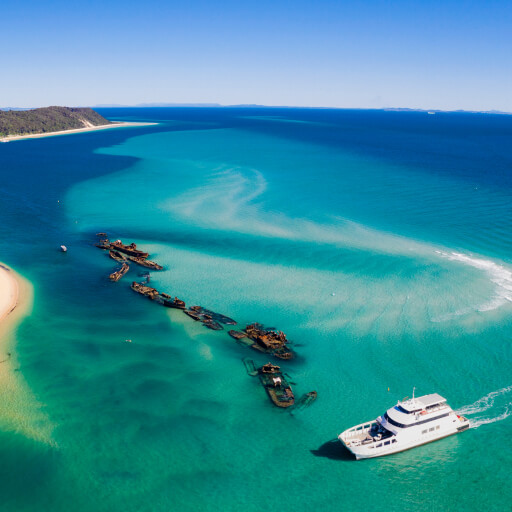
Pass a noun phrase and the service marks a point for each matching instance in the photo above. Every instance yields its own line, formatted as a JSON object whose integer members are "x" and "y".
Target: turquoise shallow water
{"x": 379, "y": 241}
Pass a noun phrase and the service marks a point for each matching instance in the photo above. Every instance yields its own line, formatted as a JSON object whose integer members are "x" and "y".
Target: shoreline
{"x": 16, "y": 299}
{"x": 9, "y": 293}
{"x": 115, "y": 124}
{"x": 20, "y": 411}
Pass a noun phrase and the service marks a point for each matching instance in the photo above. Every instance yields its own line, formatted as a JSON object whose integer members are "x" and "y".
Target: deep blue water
{"x": 379, "y": 241}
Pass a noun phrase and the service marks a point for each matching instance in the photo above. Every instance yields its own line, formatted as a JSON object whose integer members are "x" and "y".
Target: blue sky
{"x": 417, "y": 54}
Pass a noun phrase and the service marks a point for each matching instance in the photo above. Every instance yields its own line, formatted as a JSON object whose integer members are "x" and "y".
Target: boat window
{"x": 424, "y": 431}
{"x": 405, "y": 411}
{"x": 379, "y": 445}
{"x": 397, "y": 424}
{"x": 431, "y": 429}
{"x": 437, "y": 428}
{"x": 393, "y": 441}
{"x": 387, "y": 442}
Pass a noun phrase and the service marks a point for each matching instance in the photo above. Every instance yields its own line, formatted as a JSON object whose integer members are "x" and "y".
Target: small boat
{"x": 115, "y": 276}
{"x": 145, "y": 263}
{"x": 147, "y": 291}
{"x": 168, "y": 302}
{"x": 116, "y": 255}
{"x": 277, "y": 387}
{"x": 102, "y": 235}
{"x": 410, "y": 423}
{"x": 63, "y": 248}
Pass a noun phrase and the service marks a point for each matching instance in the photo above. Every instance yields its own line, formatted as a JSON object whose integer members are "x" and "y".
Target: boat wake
{"x": 497, "y": 402}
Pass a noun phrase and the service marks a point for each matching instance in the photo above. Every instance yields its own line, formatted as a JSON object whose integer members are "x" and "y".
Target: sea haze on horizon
{"x": 379, "y": 241}
{"x": 373, "y": 54}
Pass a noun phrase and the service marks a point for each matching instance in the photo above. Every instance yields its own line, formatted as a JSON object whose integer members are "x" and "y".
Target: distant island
{"x": 43, "y": 122}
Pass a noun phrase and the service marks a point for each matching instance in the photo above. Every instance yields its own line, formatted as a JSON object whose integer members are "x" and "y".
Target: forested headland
{"x": 47, "y": 120}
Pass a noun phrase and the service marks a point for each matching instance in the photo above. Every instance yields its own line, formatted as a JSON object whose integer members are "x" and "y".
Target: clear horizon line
{"x": 256, "y": 106}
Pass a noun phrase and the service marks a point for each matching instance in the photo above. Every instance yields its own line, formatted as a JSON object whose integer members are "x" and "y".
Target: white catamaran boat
{"x": 408, "y": 424}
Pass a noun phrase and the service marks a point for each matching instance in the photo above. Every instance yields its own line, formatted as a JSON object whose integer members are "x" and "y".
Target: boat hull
{"x": 401, "y": 445}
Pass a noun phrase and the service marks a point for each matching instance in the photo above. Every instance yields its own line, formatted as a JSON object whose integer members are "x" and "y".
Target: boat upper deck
{"x": 426, "y": 402}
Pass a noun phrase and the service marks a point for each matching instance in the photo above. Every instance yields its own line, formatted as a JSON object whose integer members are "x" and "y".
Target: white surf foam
{"x": 498, "y": 274}
{"x": 499, "y": 402}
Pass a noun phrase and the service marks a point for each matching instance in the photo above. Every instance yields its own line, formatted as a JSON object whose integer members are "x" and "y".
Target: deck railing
{"x": 358, "y": 429}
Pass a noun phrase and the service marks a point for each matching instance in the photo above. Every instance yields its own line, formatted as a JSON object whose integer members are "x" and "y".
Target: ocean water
{"x": 380, "y": 242}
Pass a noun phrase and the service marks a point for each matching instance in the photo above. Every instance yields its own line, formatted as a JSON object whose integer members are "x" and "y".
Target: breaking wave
{"x": 498, "y": 274}
{"x": 499, "y": 402}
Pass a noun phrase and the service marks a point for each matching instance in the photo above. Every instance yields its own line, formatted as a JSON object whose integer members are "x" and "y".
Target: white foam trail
{"x": 484, "y": 404}
{"x": 498, "y": 274}
{"x": 485, "y": 421}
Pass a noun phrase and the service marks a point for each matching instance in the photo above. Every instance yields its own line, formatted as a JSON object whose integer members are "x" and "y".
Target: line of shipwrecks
{"x": 256, "y": 336}
{"x": 125, "y": 253}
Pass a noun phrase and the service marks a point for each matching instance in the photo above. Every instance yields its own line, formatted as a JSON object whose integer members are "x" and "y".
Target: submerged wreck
{"x": 145, "y": 263}
{"x": 116, "y": 255}
{"x": 269, "y": 341}
{"x": 192, "y": 314}
{"x": 238, "y": 335}
{"x": 147, "y": 291}
{"x": 121, "y": 252}
{"x": 131, "y": 249}
{"x": 169, "y": 302}
{"x": 276, "y": 385}
{"x": 115, "y": 276}
{"x": 204, "y": 316}
{"x": 103, "y": 243}
{"x": 209, "y": 318}
{"x": 223, "y": 319}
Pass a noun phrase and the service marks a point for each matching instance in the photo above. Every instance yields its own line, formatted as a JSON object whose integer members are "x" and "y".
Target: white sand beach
{"x": 9, "y": 292}
{"x": 78, "y": 130}
{"x": 20, "y": 411}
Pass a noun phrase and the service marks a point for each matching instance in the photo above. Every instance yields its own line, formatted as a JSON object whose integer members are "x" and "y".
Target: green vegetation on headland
{"x": 47, "y": 120}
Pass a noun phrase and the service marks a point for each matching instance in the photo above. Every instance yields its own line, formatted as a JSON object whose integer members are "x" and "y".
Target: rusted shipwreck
{"x": 146, "y": 291}
{"x": 276, "y": 385}
{"x": 115, "y": 276}
{"x": 269, "y": 341}
{"x": 170, "y": 302}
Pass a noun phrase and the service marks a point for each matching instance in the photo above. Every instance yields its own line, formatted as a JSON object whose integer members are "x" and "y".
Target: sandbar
{"x": 114, "y": 124}
{"x": 20, "y": 411}
{"x": 9, "y": 292}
